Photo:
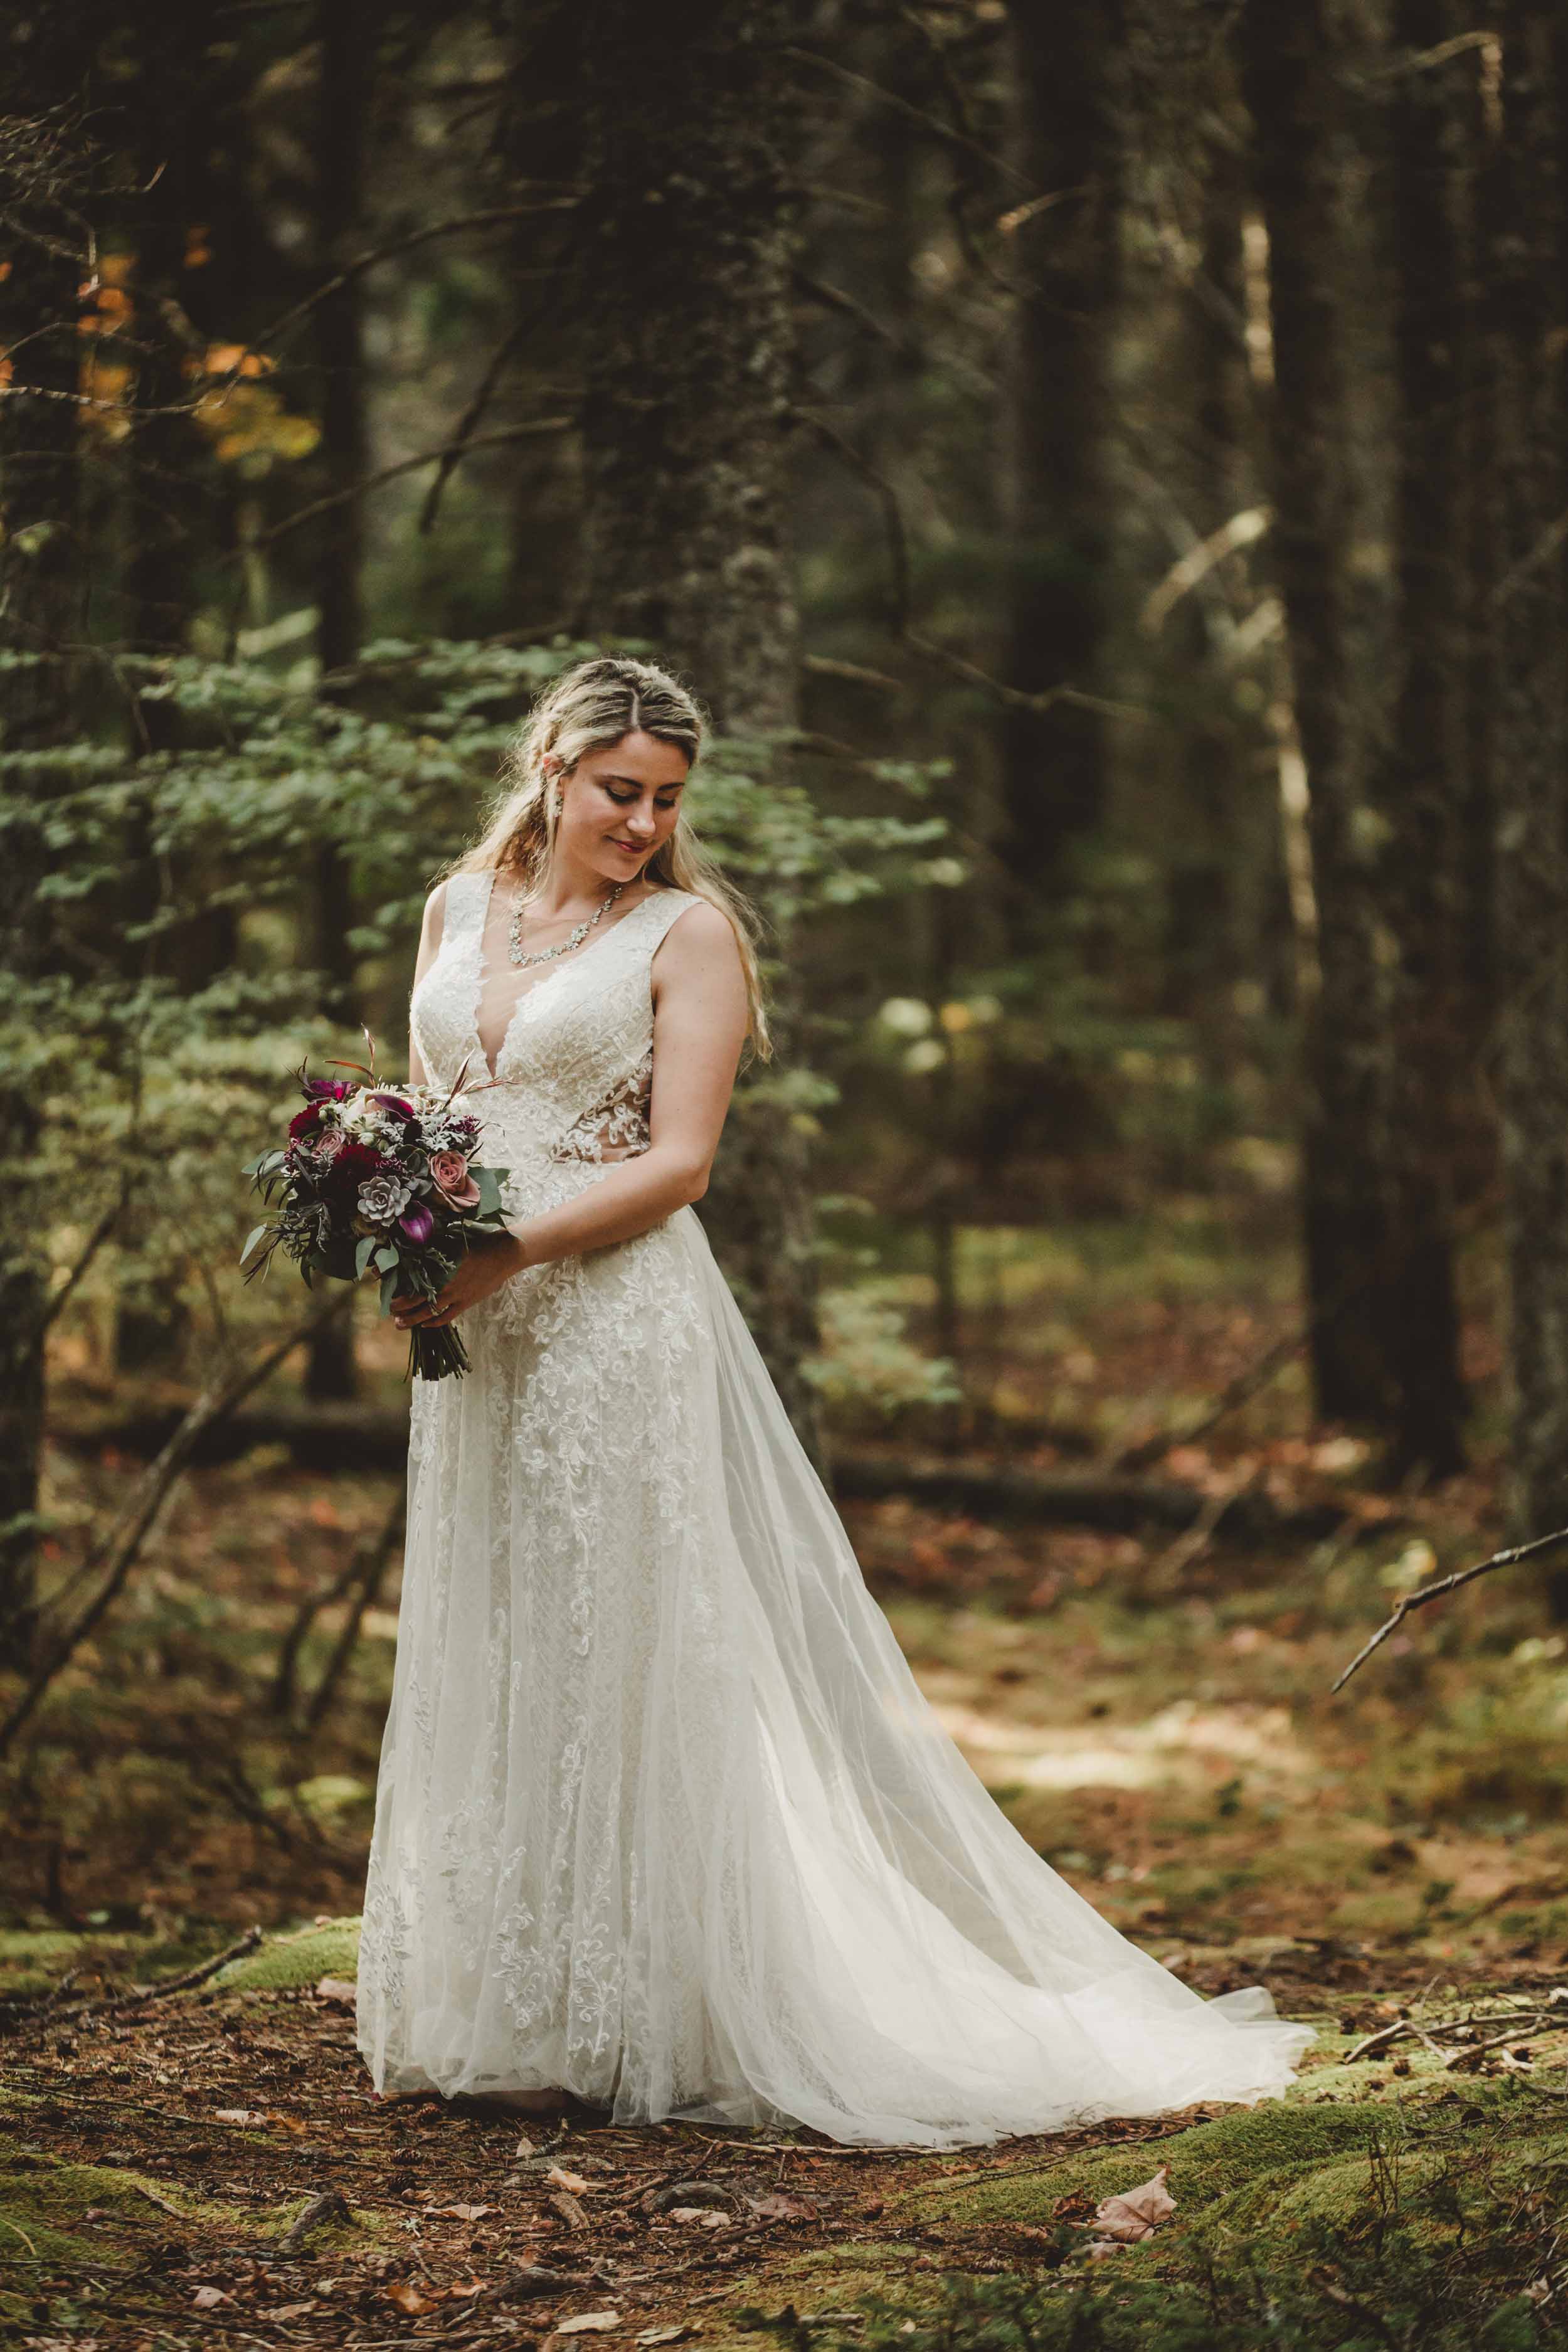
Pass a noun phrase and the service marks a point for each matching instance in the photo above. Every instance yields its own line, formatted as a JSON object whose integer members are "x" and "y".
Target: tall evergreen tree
{"x": 1065, "y": 60}
{"x": 43, "y": 571}
{"x": 1526, "y": 252}
{"x": 684, "y": 259}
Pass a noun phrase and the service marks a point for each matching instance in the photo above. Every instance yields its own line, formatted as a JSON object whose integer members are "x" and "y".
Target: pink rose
{"x": 449, "y": 1174}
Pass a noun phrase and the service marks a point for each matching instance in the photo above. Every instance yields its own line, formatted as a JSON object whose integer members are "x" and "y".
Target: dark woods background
{"x": 1103, "y": 465}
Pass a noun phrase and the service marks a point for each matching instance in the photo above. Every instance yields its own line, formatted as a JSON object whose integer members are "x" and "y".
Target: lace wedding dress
{"x": 663, "y": 1817}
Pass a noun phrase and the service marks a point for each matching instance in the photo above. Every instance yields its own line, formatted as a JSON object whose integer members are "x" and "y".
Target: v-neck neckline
{"x": 562, "y": 964}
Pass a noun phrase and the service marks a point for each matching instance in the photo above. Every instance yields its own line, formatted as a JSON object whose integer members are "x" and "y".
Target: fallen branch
{"x": 117, "y": 1550}
{"x": 1444, "y": 1584}
{"x": 333, "y": 1437}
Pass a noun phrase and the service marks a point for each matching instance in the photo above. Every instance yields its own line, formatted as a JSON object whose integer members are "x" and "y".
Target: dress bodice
{"x": 574, "y": 1065}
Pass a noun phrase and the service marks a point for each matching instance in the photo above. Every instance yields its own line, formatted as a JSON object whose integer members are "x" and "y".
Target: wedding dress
{"x": 662, "y": 1816}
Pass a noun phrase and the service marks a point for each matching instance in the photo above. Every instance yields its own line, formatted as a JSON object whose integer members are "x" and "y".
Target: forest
{"x": 1104, "y": 467}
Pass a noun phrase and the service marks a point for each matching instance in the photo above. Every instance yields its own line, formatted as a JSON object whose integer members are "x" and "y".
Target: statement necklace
{"x": 548, "y": 955}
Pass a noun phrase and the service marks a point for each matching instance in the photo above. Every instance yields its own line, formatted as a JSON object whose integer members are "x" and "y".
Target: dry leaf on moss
{"x": 1123, "y": 2220}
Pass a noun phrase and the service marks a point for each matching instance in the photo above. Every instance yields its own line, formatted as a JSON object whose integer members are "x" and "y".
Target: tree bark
{"x": 42, "y": 576}
{"x": 1526, "y": 249}
{"x": 1055, "y": 480}
{"x": 1338, "y": 608}
{"x": 684, "y": 259}
{"x": 1432, "y": 1121}
{"x": 344, "y": 29}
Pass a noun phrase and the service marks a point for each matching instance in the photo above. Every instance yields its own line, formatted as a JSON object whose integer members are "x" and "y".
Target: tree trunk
{"x": 1335, "y": 604}
{"x": 1421, "y": 784}
{"x": 41, "y": 613}
{"x": 1525, "y": 253}
{"x": 1056, "y": 481}
{"x": 685, "y": 252}
{"x": 164, "y": 547}
{"x": 342, "y": 30}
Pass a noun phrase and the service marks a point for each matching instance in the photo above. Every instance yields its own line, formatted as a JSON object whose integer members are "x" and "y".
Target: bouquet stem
{"x": 437, "y": 1355}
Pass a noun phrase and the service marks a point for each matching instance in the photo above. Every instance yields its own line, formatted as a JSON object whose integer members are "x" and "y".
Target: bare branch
{"x": 1444, "y": 1584}
{"x": 1013, "y": 697}
{"x": 833, "y": 298}
{"x": 117, "y": 1550}
{"x": 823, "y": 666}
{"x": 371, "y": 1563}
{"x": 496, "y": 440}
{"x": 468, "y": 424}
{"x": 939, "y": 129}
{"x": 94, "y": 1242}
{"x": 1199, "y": 560}
{"x": 497, "y": 216}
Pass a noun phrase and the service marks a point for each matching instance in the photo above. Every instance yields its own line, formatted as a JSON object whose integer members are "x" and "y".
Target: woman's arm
{"x": 698, "y": 1028}
{"x": 429, "y": 947}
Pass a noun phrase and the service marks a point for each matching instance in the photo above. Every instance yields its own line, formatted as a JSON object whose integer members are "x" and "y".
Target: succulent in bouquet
{"x": 379, "y": 1179}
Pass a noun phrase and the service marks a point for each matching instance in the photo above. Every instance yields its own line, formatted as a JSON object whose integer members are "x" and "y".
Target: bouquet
{"x": 383, "y": 1180}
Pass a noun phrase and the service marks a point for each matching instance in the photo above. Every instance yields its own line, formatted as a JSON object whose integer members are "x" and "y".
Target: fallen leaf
{"x": 407, "y": 2297}
{"x": 524, "y": 2146}
{"x": 466, "y": 2287}
{"x": 776, "y": 2207}
{"x": 572, "y": 2180}
{"x": 207, "y": 2299}
{"x": 1125, "y": 2219}
{"x": 290, "y": 2311}
{"x": 295, "y": 2124}
{"x": 236, "y": 2115}
{"x": 703, "y": 2215}
{"x": 464, "y": 2212}
{"x": 339, "y": 1991}
{"x": 585, "y": 2320}
{"x": 676, "y": 2333}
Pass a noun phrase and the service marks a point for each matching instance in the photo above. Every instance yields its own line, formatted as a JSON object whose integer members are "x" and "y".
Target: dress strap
{"x": 659, "y": 914}
{"x": 463, "y": 909}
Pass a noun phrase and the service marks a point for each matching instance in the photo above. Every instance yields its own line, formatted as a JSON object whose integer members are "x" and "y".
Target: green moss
{"x": 44, "y": 2229}
{"x": 303, "y": 1958}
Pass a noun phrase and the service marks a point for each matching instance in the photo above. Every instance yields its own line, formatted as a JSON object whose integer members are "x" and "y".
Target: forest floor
{"x": 1153, "y": 1711}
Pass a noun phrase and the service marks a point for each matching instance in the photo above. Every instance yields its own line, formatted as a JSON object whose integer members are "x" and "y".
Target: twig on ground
{"x": 1444, "y": 1584}
{"x": 144, "y": 1994}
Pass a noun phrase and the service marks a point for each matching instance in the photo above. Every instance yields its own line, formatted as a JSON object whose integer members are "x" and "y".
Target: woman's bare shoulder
{"x": 698, "y": 928}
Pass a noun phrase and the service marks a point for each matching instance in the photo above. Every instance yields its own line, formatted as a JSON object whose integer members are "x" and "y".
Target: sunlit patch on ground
{"x": 1180, "y": 1746}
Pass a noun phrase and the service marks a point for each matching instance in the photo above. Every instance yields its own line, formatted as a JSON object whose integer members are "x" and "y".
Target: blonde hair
{"x": 589, "y": 709}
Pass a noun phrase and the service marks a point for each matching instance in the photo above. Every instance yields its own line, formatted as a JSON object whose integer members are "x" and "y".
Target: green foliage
{"x": 181, "y": 976}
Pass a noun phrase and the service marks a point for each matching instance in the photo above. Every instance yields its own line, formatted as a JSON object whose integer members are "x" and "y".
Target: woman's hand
{"x": 486, "y": 1267}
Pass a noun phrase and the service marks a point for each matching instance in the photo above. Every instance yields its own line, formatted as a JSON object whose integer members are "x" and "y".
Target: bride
{"x": 663, "y": 1821}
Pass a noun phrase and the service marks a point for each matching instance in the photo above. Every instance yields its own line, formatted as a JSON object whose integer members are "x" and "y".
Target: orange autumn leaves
{"x": 244, "y": 418}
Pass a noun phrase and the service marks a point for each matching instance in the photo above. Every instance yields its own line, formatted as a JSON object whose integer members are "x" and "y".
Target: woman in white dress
{"x": 663, "y": 1821}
